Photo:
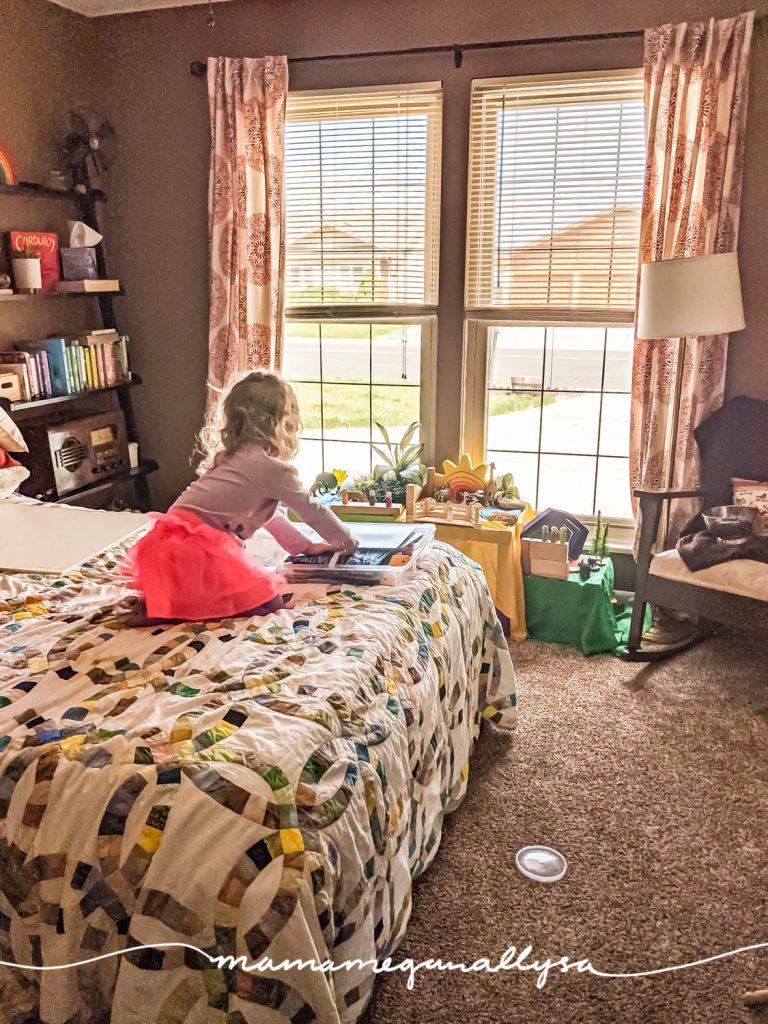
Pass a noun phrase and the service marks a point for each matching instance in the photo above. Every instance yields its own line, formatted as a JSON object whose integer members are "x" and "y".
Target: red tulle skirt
{"x": 186, "y": 569}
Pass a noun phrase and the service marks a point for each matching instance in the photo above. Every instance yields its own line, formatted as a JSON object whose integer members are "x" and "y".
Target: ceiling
{"x": 97, "y": 8}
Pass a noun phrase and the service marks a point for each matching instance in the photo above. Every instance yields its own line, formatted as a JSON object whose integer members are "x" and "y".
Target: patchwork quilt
{"x": 262, "y": 787}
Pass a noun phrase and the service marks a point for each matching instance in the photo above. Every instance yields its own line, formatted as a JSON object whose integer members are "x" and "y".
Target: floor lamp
{"x": 681, "y": 299}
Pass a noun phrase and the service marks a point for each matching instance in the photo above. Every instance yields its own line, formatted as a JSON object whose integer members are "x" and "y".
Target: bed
{"x": 263, "y": 787}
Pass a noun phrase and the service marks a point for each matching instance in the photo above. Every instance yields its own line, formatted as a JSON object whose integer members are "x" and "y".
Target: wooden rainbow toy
{"x": 7, "y": 175}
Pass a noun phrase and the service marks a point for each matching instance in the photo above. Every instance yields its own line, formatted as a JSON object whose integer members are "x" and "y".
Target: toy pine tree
{"x": 600, "y": 538}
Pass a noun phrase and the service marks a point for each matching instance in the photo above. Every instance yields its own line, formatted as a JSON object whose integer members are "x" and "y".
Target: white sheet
{"x": 54, "y": 538}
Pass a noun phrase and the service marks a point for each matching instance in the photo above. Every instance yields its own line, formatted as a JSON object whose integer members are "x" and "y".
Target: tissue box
{"x": 79, "y": 264}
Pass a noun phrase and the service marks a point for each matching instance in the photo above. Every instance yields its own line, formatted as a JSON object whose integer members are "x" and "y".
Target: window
{"x": 556, "y": 180}
{"x": 362, "y": 189}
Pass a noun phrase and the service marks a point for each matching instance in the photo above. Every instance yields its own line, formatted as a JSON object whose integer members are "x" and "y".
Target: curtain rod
{"x": 198, "y": 67}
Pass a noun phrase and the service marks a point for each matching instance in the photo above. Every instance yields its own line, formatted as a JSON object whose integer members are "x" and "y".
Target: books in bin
{"x": 60, "y": 366}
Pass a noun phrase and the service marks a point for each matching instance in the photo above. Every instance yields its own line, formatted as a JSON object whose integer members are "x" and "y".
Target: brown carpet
{"x": 653, "y": 781}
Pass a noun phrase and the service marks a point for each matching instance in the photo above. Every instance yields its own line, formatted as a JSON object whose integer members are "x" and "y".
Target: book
{"x": 41, "y": 361}
{"x": 46, "y": 245}
{"x": 56, "y": 352}
{"x": 105, "y": 285}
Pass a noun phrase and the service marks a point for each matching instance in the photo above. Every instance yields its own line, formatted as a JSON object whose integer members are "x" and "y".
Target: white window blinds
{"x": 362, "y": 193}
{"x": 556, "y": 180}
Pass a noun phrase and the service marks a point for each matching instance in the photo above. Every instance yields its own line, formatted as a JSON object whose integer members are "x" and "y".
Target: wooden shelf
{"x": 34, "y": 191}
{"x": 16, "y": 297}
{"x": 42, "y": 403}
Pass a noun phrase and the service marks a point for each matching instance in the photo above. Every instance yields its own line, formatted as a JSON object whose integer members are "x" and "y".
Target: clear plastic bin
{"x": 383, "y": 536}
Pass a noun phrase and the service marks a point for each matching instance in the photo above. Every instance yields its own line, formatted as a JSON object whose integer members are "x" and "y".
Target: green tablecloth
{"x": 576, "y": 612}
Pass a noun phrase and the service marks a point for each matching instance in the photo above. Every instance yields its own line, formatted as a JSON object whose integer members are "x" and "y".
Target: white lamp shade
{"x": 688, "y": 297}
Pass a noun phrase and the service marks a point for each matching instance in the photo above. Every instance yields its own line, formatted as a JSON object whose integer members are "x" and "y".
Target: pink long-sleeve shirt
{"x": 241, "y": 493}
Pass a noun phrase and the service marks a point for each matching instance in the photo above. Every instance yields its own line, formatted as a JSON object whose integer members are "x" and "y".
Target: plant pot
{"x": 27, "y": 275}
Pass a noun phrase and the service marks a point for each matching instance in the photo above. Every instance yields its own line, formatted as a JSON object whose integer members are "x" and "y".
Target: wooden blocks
{"x": 544, "y": 558}
{"x": 427, "y": 510}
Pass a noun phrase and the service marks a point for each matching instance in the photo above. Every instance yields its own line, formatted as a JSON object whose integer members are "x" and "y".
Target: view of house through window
{"x": 556, "y": 179}
{"x": 362, "y": 188}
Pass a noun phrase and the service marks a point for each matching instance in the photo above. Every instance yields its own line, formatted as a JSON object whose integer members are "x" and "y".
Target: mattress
{"x": 259, "y": 787}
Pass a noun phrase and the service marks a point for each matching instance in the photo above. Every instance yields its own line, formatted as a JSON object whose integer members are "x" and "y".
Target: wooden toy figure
{"x": 372, "y": 497}
{"x": 345, "y": 497}
{"x": 388, "y": 499}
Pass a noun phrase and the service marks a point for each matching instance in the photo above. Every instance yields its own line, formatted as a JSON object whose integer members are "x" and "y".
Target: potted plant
{"x": 27, "y": 275}
{"x": 401, "y": 465}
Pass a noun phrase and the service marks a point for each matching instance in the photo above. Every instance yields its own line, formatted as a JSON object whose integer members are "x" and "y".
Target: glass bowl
{"x": 730, "y": 524}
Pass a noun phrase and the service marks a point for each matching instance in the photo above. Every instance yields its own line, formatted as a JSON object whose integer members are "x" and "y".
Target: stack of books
{"x": 62, "y": 366}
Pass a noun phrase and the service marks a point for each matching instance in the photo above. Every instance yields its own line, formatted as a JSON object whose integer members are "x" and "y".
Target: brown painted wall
{"x": 157, "y": 216}
{"x": 44, "y": 72}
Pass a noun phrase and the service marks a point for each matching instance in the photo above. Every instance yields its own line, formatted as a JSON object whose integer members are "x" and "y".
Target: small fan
{"x": 86, "y": 148}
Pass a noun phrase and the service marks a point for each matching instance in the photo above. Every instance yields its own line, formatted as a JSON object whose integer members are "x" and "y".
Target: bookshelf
{"x": 128, "y": 489}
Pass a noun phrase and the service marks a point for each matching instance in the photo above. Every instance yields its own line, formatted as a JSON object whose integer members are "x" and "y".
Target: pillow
{"x": 11, "y": 474}
{"x": 755, "y": 494}
{"x": 10, "y": 435}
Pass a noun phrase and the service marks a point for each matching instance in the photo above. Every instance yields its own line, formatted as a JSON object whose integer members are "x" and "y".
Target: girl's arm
{"x": 288, "y": 490}
{"x": 287, "y": 535}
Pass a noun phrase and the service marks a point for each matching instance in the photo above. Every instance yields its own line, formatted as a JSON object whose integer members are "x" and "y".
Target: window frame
{"x": 474, "y": 400}
{"x": 428, "y": 364}
{"x": 433, "y": 201}
{"x": 478, "y": 320}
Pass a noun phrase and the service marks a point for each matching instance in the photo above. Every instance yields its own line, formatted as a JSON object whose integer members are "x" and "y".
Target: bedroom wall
{"x": 45, "y": 70}
{"x": 157, "y": 213}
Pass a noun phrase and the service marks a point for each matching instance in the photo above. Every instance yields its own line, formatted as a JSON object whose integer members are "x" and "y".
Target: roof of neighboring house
{"x": 595, "y": 231}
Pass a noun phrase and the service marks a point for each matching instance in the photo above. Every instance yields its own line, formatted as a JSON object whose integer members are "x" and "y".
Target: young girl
{"x": 192, "y": 564}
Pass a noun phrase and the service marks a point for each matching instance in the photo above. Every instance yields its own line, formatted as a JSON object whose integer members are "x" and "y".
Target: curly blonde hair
{"x": 261, "y": 408}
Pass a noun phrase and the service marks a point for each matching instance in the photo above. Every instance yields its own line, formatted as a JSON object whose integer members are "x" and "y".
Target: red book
{"x": 46, "y": 245}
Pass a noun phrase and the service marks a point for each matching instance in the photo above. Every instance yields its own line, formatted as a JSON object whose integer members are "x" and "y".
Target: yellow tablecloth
{"x": 496, "y": 548}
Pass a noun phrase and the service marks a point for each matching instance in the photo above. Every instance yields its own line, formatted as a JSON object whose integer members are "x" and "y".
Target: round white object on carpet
{"x": 541, "y": 863}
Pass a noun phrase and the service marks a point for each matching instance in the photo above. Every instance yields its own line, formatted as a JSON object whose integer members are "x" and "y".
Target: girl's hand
{"x": 318, "y": 548}
{"x": 349, "y": 547}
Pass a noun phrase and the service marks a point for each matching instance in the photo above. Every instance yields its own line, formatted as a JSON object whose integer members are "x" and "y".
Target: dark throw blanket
{"x": 701, "y": 550}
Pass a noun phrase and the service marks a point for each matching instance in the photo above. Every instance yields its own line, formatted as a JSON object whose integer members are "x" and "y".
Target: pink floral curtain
{"x": 696, "y": 78}
{"x": 246, "y": 217}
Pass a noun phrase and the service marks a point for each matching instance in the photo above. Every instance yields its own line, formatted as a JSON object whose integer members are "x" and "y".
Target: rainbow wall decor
{"x": 7, "y": 175}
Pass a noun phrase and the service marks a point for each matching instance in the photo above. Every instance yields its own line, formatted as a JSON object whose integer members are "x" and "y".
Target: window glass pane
{"x": 353, "y": 458}
{"x": 514, "y": 420}
{"x": 516, "y": 357}
{"x": 618, "y": 359}
{"x": 614, "y": 429}
{"x": 346, "y": 412}
{"x": 613, "y": 494}
{"x": 522, "y": 466}
{"x": 395, "y": 407}
{"x": 362, "y": 188}
{"x": 569, "y": 424}
{"x": 346, "y": 351}
{"x": 556, "y": 178}
{"x": 567, "y": 482}
{"x": 574, "y": 358}
{"x": 341, "y": 409}
{"x": 309, "y": 397}
{"x": 396, "y": 351}
{"x": 308, "y": 461}
{"x": 301, "y": 351}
